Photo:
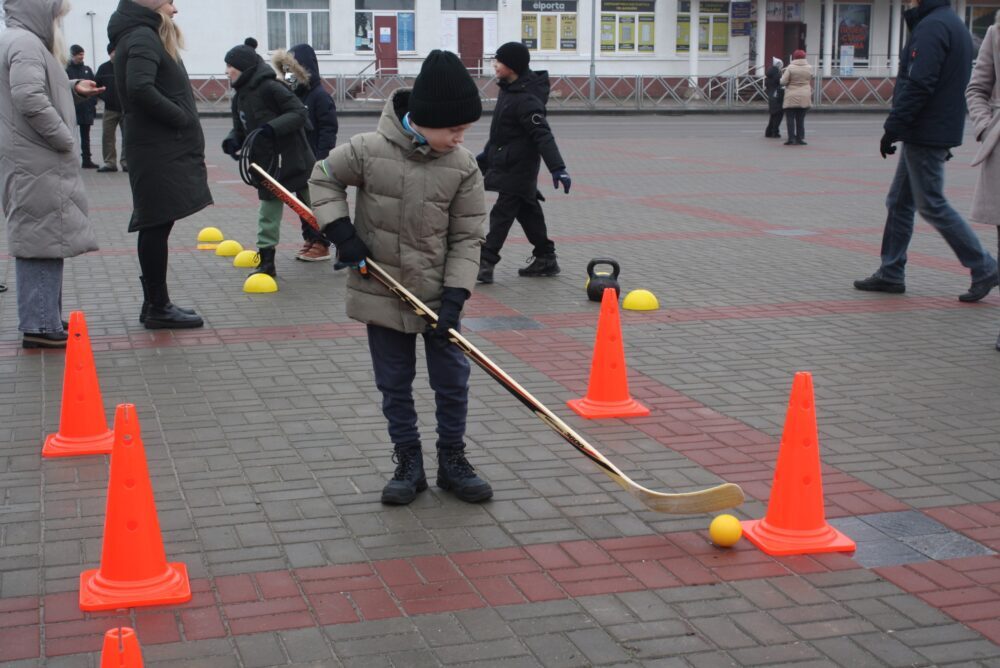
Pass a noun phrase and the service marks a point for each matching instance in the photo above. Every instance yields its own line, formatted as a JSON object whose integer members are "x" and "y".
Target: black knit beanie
{"x": 241, "y": 57}
{"x": 515, "y": 56}
{"x": 444, "y": 95}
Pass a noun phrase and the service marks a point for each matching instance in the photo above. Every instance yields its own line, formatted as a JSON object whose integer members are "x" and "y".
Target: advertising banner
{"x": 626, "y": 33}
{"x": 567, "y": 36}
{"x": 853, "y": 27}
{"x": 529, "y": 30}
{"x": 607, "y": 32}
{"x": 648, "y": 6}
{"x": 647, "y": 33}
{"x": 548, "y": 6}
{"x": 549, "y": 31}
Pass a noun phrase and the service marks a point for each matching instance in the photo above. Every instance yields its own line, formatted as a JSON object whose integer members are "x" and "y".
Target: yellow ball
{"x": 229, "y": 248}
{"x": 247, "y": 258}
{"x": 640, "y": 300}
{"x": 209, "y": 238}
{"x": 260, "y": 283}
{"x": 725, "y": 530}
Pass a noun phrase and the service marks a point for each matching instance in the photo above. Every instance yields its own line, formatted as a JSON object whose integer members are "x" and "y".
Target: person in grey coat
{"x": 43, "y": 195}
{"x": 983, "y": 99}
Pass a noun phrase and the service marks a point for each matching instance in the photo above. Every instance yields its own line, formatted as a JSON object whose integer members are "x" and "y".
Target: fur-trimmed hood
{"x": 301, "y": 61}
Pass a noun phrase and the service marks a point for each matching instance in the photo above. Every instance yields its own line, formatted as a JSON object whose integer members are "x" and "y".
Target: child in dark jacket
{"x": 262, "y": 103}
{"x": 299, "y": 69}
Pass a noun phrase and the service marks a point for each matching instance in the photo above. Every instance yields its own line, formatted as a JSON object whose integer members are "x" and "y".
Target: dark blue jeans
{"x": 394, "y": 359}
{"x": 919, "y": 186}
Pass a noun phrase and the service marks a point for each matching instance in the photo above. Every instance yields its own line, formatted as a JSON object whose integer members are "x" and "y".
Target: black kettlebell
{"x": 597, "y": 281}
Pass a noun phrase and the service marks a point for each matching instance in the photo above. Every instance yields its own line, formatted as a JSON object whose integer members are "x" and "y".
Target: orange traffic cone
{"x": 607, "y": 394}
{"x": 121, "y": 649}
{"x": 796, "y": 520}
{"x": 83, "y": 429}
{"x": 134, "y": 569}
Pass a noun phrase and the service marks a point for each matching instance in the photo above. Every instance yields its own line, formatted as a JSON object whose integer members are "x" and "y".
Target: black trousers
{"x": 153, "y": 249}
{"x": 528, "y": 212}
{"x": 795, "y": 124}
{"x": 774, "y": 125}
{"x": 85, "y": 142}
{"x": 394, "y": 358}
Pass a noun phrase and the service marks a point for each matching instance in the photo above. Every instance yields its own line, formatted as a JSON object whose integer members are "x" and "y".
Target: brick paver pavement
{"x": 267, "y": 448}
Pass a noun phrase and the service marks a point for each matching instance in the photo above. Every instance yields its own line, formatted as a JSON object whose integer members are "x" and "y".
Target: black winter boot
{"x": 456, "y": 475}
{"x": 541, "y": 265}
{"x": 485, "y": 271}
{"x": 145, "y": 304}
{"x": 164, "y": 315}
{"x": 266, "y": 265}
{"x": 409, "y": 477}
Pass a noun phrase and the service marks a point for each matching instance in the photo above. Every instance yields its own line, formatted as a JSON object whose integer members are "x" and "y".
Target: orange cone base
{"x": 607, "y": 409}
{"x": 121, "y": 651}
{"x": 172, "y": 587}
{"x": 783, "y": 542}
{"x": 57, "y": 445}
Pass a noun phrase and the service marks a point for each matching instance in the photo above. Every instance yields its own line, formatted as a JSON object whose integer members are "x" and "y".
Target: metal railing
{"x": 368, "y": 90}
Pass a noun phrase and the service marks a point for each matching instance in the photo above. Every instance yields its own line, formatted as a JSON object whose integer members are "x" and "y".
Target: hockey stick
{"x": 726, "y": 495}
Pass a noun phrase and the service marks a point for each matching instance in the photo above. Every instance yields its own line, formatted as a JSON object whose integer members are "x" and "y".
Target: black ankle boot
{"x": 164, "y": 315}
{"x": 541, "y": 265}
{"x": 144, "y": 310}
{"x": 266, "y": 265}
{"x": 456, "y": 475}
{"x": 485, "y": 271}
{"x": 409, "y": 477}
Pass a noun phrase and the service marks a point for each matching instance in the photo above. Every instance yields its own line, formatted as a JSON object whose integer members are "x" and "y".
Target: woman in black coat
{"x": 775, "y": 98}
{"x": 164, "y": 145}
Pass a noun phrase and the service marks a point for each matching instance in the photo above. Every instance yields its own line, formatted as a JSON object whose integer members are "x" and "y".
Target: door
{"x": 385, "y": 45}
{"x": 470, "y": 43}
{"x": 795, "y": 38}
{"x": 774, "y": 42}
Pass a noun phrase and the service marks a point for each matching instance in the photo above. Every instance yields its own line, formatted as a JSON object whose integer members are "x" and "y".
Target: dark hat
{"x": 241, "y": 57}
{"x": 251, "y": 42}
{"x": 76, "y": 49}
{"x": 515, "y": 56}
{"x": 444, "y": 95}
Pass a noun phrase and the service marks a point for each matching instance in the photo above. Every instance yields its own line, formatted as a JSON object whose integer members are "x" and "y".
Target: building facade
{"x": 567, "y": 37}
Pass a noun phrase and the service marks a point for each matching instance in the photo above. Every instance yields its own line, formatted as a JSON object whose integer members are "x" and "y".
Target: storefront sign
{"x": 549, "y": 31}
{"x": 529, "y": 30}
{"x": 628, "y": 5}
{"x": 567, "y": 38}
{"x": 740, "y": 20}
{"x": 853, "y": 27}
{"x": 647, "y": 33}
{"x": 626, "y": 33}
{"x": 548, "y": 6}
{"x": 607, "y": 32}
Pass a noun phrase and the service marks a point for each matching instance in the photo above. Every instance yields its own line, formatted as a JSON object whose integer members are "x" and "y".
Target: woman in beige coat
{"x": 797, "y": 80}
{"x": 983, "y": 98}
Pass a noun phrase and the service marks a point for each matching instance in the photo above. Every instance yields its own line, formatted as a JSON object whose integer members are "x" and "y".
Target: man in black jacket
{"x": 86, "y": 111}
{"x": 112, "y": 119}
{"x": 520, "y": 138}
{"x": 928, "y": 117}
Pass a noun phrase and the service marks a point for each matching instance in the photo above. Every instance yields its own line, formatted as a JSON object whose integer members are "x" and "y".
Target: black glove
{"x": 561, "y": 176}
{"x": 231, "y": 147}
{"x": 885, "y": 147}
{"x": 452, "y": 300}
{"x": 267, "y": 130}
{"x": 350, "y": 248}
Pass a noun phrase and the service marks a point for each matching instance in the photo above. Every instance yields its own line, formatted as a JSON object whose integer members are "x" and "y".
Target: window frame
{"x": 287, "y": 16}
{"x": 711, "y": 18}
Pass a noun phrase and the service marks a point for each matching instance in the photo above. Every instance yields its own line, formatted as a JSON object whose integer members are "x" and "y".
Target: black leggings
{"x": 153, "y": 250}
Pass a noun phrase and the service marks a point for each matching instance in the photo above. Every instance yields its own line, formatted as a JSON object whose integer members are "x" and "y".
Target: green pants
{"x": 269, "y": 219}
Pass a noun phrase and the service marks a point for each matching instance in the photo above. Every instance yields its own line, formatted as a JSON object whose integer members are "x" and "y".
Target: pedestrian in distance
{"x": 983, "y": 98}
{"x": 86, "y": 110}
{"x": 43, "y": 195}
{"x": 928, "y": 117}
{"x": 775, "y": 98}
{"x": 164, "y": 145}
{"x": 299, "y": 69}
{"x": 520, "y": 138}
{"x": 797, "y": 80}
{"x": 420, "y": 214}
{"x": 111, "y": 120}
{"x": 269, "y": 129}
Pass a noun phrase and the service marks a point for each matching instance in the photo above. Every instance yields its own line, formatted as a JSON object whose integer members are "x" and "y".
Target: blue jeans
{"x": 394, "y": 359}
{"x": 919, "y": 186}
{"x": 39, "y": 295}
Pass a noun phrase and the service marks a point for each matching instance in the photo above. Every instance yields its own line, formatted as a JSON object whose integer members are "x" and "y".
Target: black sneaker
{"x": 485, "y": 271}
{"x": 979, "y": 289}
{"x": 88, "y": 164}
{"x": 544, "y": 265}
{"x": 876, "y": 283}
{"x": 104, "y": 169}
{"x": 456, "y": 475}
{"x": 44, "y": 340}
{"x": 409, "y": 478}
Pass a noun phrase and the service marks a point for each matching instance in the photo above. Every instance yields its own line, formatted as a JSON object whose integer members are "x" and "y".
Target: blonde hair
{"x": 170, "y": 33}
{"x": 58, "y": 37}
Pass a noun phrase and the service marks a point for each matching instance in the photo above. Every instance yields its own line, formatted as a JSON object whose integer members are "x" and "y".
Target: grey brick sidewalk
{"x": 267, "y": 448}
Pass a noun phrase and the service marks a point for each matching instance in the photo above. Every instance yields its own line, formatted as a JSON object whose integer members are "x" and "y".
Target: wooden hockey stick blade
{"x": 720, "y": 497}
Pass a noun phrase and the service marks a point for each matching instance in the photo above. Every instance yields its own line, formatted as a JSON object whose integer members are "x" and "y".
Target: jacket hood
{"x": 534, "y": 82}
{"x": 305, "y": 56}
{"x": 914, "y": 15}
{"x": 36, "y": 16}
{"x": 390, "y": 124}
{"x": 255, "y": 76}
{"x": 130, "y": 16}
{"x": 283, "y": 61}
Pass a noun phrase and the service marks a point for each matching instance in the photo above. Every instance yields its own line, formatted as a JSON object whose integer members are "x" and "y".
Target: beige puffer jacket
{"x": 422, "y": 215}
{"x": 797, "y": 80}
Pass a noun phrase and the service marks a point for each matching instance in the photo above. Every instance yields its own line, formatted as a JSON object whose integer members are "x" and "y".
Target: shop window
{"x": 549, "y": 25}
{"x": 713, "y": 27}
{"x": 291, "y": 22}
{"x": 364, "y": 23}
{"x": 979, "y": 18}
{"x": 853, "y": 43}
{"x": 468, "y": 5}
{"x": 628, "y": 26}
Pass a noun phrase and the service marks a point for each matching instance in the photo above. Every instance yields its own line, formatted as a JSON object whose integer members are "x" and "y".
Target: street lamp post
{"x": 93, "y": 40}
{"x": 593, "y": 46}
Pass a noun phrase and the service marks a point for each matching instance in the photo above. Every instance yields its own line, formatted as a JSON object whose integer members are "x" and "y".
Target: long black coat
{"x": 86, "y": 111}
{"x": 164, "y": 143}
{"x": 772, "y": 86}
{"x": 260, "y": 99}
{"x": 520, "y": 137}
{"x": 106, "y": 78}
